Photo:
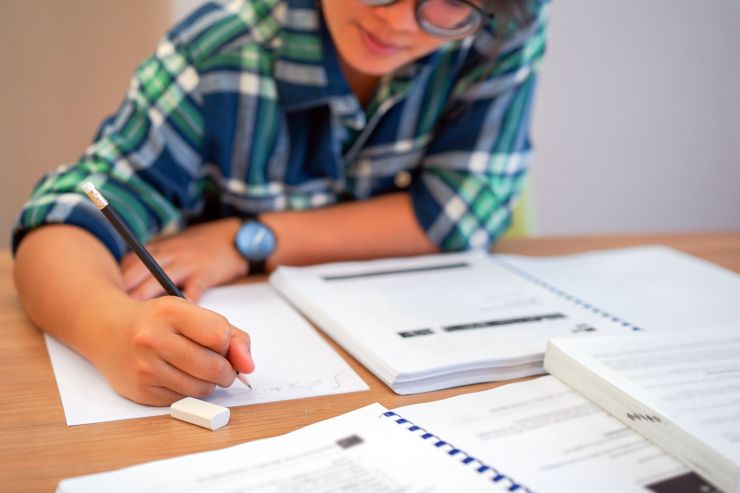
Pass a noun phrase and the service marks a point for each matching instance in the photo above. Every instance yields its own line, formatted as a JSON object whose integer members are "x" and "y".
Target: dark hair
{"x": 510, "y": 15}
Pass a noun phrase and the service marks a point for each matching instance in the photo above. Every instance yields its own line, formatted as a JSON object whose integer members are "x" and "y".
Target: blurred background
{"x": 637, "y": 120}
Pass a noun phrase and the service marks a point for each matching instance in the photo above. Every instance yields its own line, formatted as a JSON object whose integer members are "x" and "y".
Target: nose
{"x": 399, "y": 16}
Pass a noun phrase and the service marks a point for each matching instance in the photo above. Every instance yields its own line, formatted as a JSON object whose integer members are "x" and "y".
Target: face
{"x": 377, "y": 40}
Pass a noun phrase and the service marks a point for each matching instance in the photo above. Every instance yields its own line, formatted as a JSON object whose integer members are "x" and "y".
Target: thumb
{"x": 240, "y": 351}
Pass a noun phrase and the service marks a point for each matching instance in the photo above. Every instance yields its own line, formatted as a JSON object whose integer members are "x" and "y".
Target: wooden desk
{"x": 37, "y": 448}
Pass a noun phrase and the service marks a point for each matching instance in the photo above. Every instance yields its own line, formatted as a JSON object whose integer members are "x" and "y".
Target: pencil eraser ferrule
{"x": 200, "y": 413}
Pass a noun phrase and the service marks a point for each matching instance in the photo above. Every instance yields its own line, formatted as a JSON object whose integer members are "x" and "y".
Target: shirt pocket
{"x": 378, "y": 171}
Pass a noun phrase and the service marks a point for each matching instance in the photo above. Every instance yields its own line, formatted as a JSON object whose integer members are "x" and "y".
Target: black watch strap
{"x": 257, "y": 266}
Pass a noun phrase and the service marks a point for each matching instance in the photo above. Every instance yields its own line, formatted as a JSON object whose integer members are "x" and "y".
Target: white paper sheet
{"x": 681, "y": 390}
{"x": 652, "y": 287}
{"x": 292, "y": 362}
{"x": 360, "y": 451}
{"x": 553, "y": 440}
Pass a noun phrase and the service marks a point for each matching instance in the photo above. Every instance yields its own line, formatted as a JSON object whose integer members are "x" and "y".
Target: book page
{"x": 361, "y": 451}
{"x": 292, "y": 361}
{"x": 689, "y": 380}
{"x": 554, "y": 439}
{"x": 652, "y": 287}
{"x": 435, "y": 313}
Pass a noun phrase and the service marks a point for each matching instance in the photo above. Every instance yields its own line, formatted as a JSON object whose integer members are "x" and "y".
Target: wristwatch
{"x": 255, "y": 241}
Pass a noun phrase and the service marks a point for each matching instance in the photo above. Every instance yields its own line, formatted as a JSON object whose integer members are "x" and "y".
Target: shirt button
{"x": 402, "y": 179}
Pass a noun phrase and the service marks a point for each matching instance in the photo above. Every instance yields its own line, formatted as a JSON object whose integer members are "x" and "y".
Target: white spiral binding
{"x": 564, "y": 294}
{"x": 496, "y": 476}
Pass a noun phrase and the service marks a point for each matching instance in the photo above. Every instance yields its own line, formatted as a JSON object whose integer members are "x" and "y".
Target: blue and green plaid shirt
{"x": 244, "y": 109}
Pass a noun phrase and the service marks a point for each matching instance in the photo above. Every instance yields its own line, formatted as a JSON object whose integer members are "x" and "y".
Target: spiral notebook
{"x": 537, "y": 435}
{"x": 437, "y": 321}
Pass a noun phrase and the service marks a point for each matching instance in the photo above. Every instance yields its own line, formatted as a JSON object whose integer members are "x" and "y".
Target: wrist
{"x": 231, "y": 227}
{"x": 256, "y": 242}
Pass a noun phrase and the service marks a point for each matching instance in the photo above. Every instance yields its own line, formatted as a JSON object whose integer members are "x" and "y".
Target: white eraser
{"x": 200, "y": 413}
{"x": 95, "y": 195}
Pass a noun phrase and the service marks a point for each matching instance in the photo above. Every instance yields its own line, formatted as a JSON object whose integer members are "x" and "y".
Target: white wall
{"x": 637, "y": 121}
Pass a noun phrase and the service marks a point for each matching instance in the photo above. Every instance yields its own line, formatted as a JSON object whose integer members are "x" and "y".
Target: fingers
{"x": 195, "y": 286}
{"x": 141, "y": 285}
{"x": 213, "y": 331}
{"x": 182, "y": 383}
{"x": 162, "y": 384}
{"x": 137, "y": 279}
{"x": 240, "y": 351}
{"x": 202, "y": 326}
{"x": 196, "y": 259}
{"x": 151, "y": 288}
{"x": 197, "y": 361}
{"x": 213, "y": 349}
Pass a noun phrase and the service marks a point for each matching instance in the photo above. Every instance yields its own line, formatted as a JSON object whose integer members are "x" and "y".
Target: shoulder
{"x": 502, "y": 55}
{"x": 217, "y": 28}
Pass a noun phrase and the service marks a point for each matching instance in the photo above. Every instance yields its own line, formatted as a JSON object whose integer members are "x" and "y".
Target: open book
{"x": 438, "y": 321}
{"x": 680, "y": 390}
{"x": 534, "y": 436}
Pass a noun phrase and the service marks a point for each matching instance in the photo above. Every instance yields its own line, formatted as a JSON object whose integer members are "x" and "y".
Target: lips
{"x": 376, "y": 45}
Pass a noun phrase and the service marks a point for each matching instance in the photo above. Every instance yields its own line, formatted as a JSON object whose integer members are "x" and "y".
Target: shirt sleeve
{"x": 474, "y": 167}
{"x": 143, "y": 160}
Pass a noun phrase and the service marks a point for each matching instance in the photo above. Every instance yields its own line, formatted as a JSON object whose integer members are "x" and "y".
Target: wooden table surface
{"x": 38, "y": 449}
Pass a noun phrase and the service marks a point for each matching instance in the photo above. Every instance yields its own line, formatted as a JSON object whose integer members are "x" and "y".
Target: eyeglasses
{"x": 445, "y": 19}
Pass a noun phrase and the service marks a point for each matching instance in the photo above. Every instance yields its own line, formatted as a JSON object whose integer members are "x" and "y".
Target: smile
{"x": 376, "y": 45}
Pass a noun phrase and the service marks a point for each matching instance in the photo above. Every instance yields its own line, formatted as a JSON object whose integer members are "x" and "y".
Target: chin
{"x": 373, "y": 66}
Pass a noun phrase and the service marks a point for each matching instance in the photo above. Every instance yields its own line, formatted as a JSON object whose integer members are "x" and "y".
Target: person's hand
{"x": 158, "y": 351}
{"x": 196, "y": 259}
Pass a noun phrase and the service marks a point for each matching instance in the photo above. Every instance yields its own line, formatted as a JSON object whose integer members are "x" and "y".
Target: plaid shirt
{"x": 244, "y": 109}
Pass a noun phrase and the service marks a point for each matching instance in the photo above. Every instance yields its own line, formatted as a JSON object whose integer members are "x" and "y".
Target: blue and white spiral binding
{"x": 496, "y": 476}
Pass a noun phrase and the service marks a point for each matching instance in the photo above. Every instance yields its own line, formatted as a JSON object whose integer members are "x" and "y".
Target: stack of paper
{"x": 680, "y": 390}
{"x": 437, "y": 321}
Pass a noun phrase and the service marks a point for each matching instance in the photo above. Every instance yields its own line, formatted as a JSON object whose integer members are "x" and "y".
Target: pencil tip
{"x": 244, "y": 380}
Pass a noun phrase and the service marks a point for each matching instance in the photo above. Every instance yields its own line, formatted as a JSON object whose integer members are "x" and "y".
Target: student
{"x": 271, "y": 132}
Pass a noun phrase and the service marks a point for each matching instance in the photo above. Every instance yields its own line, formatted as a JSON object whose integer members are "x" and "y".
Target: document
{"x": 554, "y": 440}
{"x": 654, "y": 288}
{"x": 437, "y": 321}
{"x": 680, "y": 390}
{"x": 292, "y": 361}
{"x": 533, "y": 436}
{"x": 361, "y": 451}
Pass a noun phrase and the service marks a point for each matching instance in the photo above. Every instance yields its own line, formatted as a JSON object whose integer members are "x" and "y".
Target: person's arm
{"x": 203, "y": 256}
{"x": 153, "y": 352}
{"x": 379, "y": 227}
{"x": 144, "y": 160}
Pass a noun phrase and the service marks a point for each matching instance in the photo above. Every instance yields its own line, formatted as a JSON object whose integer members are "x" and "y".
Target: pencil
{"x": 146, "y": 258}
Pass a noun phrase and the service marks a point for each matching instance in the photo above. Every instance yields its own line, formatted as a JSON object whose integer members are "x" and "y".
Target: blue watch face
{"x": 255, "y": 241}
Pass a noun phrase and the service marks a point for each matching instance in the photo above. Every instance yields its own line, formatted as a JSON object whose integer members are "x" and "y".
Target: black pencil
{"x": 146, "y": 258}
